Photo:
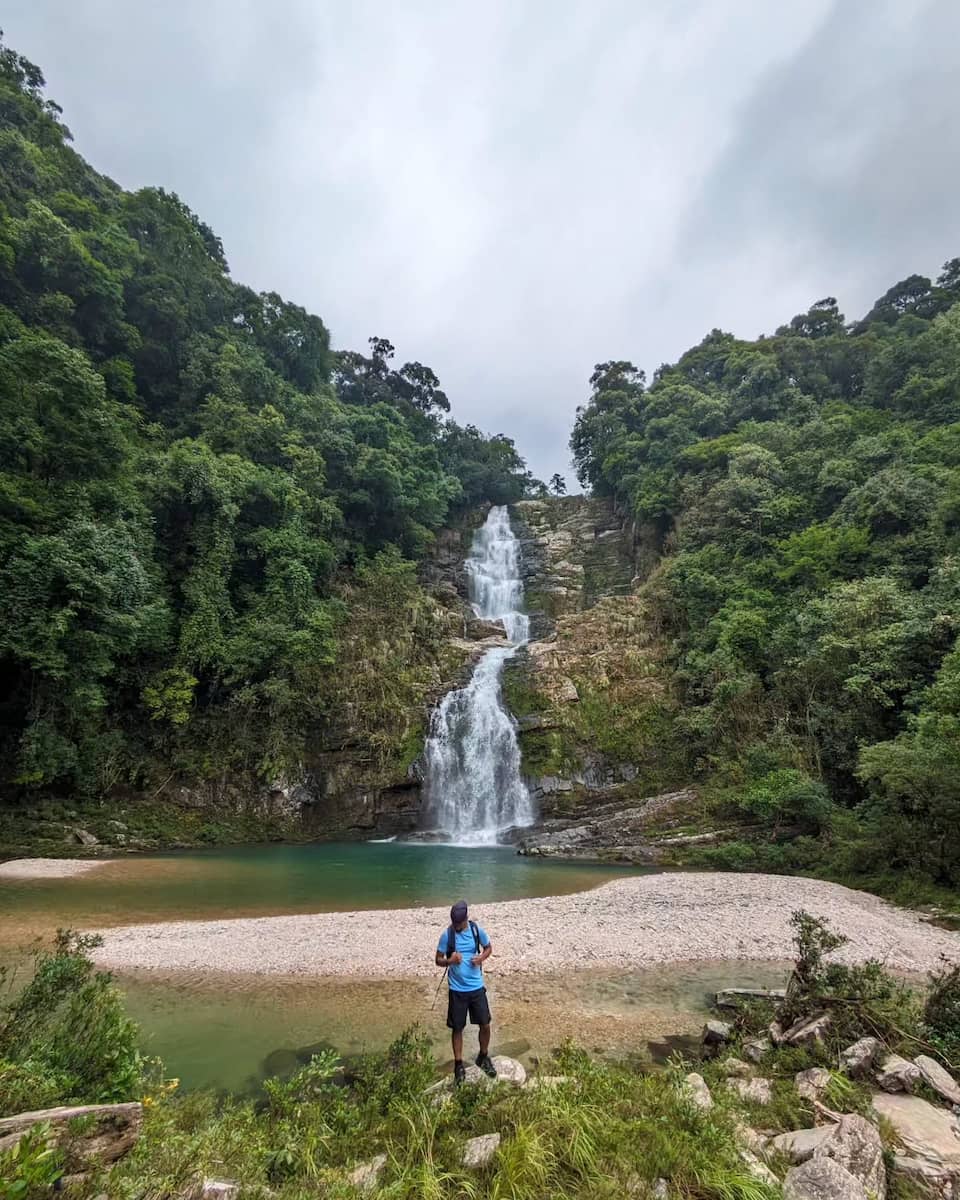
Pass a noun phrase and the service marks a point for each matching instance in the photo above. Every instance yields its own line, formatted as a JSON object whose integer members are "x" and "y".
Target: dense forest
{"x": 196, "y": 491}
{"x": 804, "y": 489}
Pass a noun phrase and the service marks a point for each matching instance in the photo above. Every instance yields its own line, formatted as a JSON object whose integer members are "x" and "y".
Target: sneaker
{"x": 459, "y": 1073}
{"x": 486, "y": 1066}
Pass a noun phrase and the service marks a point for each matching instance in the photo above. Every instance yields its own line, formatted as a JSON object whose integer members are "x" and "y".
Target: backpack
{"x": 452, "y": 938}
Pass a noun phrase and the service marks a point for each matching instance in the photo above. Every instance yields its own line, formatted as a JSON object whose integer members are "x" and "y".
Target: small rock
{"x": 859, "y": 1058}
{"x": 942, "y": 1082}
{"x": 758, "y": 1169}
{"x": 479, "y": 1151}
{"x": 749, "y": 1137}
{"x": 736, "y": 1066}
{"x": 364, "y": 1177}
{"x": 775, "y": 1030}
{"x": 855, "y": 1144}
{"x": 897, "y": 1074}
{"x": 807, "y": 1030}
{"x": 757, "y": 1091}
{"x": 118, "y": 825}
{"x": 661, "y": 1190}
{"x": 822, "y": 1179}
{"x": 756, "y": 1049}
{"x": 697, "y": 1090}
{"x": 812, "y": 1083}
{"x": 715, "y": 1033}
{"x": 542, "y": 1081}
{"x": 84, "y": 837}
{"x": 799, "y": 1144}
{"x": 221, "y": 1189}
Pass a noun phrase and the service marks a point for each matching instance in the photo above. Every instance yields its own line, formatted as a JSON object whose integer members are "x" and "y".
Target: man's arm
{"x": 483, "y": 955}
{"x": 442, "y": 961}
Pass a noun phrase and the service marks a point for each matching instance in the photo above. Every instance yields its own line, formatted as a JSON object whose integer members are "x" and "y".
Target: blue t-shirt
{"x": 464, "y": 977}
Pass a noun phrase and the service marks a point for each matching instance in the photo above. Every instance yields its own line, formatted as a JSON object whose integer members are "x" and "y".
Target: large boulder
{"x": 807, "y": 1030}
{"x": 696, "y": 1089}
{"x": 822, "y": 1179}
{"x": 812, "y": 1083}
{"x": 799, "y": 1144}
{"x": 508, "y": 1071}
{"x": 479, "y": 1151}
{"x": 926, "y": 1131}
{"x": 855, "y": 1144}
{"x": 897, "y": 1074}
{"x": 942, "y": 1082}
{"x": 857, "y": 1059}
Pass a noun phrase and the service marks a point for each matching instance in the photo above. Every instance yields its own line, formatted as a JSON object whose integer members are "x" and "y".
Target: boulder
{"x": 749, "y": 1138}
{"x": 757, "y": 1091}
{"x": 366, "y": 1176}
{"x": 822, "y": 1179}
{"x": 85, "y": 837}
{"x": 855, "y": 1144}
{"x": 479, "y": 1151}
{"x": 897, "y": 1074}
{"x": 942, "y": 1082}
{"x": 697, "y": 1090}
{"x": 715, "y": 1033}
{"x": 857, "y": 1059}
{"x": 812, "y": 1083}
{"x": 221, "y": 1189}
{"x": 108, "y": 1131}
{"x": 807, "y": 1030}
{"x": 736, "y": 1066}
{"x": 508, "y": 1071}
{"x": 926, "y": 1176}
{"x": 756, "y": 1049}
{"x": 758, "y": 1169}
{"x": 926, "y": 1131}
{"x": 799, "y": 1144}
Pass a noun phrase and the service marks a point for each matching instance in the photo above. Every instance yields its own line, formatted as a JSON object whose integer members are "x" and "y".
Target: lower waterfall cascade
{"x": 473, "y": 784}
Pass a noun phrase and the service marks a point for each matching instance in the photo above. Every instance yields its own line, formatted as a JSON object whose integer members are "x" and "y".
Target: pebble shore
{"x": 47, "y": 868}
{"x": 632, "y": 922}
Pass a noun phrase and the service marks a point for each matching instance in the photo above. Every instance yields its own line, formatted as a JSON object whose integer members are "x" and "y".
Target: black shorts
{"x": 461, "y": 1003}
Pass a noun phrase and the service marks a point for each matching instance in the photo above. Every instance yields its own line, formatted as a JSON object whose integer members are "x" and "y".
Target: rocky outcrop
{"x": 89, "y": 1135}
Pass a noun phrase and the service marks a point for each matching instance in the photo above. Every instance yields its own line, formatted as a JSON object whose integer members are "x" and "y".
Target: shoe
{"x": 486, "y": 1066}
{"x": 459, "y": 1073}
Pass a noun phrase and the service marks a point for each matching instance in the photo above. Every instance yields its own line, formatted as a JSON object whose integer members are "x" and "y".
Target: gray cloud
{"x": 512, "y": 193}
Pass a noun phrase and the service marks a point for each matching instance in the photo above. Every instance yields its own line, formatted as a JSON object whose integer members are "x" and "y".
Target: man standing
{"x": 462, "y": 949}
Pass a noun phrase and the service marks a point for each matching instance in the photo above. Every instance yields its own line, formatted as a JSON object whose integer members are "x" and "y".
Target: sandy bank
{"x": 634, "y": 921}
{"x": 47, "y": 868}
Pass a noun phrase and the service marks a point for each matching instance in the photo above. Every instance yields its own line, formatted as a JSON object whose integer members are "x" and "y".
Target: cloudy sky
{"x": 515, "y": 190}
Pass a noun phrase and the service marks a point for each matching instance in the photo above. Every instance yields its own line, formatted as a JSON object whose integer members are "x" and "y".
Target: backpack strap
{"x": 476, "y": 935}
{"x": 451, "y": 940}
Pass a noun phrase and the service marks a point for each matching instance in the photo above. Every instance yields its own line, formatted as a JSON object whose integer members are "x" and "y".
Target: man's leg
{"x": 484, "y": 1038}
{"x": 456, "y": 1037}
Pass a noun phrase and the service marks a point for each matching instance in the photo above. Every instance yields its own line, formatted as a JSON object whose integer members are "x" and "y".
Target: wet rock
{"x": 942, "y": 1082}
{"x": 822, "y": 1179}
{"x": 857, "y": 1059}
{"x": 696, "y": 1088}
{"x": 736, "y": 1066}
{"x": 926, "y": 1131}
{"x": 715, "y": 1033}
{"x": 756, "y": 1091}
{"x": 282, "y": 1063}
{"x": 799, "y": 1144}
{"x": 812, "y": 1083}
{"x": 479, "y": 1151}
{"x": 807, "y": 1030}
{"x": 897, "y": 1074}
{"x": 366, "y": 1176}
{"x": 478, "y": 628}
{"x": 856, "y": 1146}
{"x": 756, "y": 1049}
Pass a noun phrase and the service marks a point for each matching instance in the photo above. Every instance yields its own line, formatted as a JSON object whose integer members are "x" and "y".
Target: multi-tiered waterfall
{"x": 474, "y": 789}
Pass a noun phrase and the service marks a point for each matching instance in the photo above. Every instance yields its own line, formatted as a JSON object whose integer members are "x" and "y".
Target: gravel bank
{"x": 634, "y": 921}
{"x": 47, "y": 868}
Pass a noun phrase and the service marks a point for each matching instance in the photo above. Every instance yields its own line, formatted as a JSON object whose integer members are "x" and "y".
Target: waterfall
{"x": 473, "y": 784}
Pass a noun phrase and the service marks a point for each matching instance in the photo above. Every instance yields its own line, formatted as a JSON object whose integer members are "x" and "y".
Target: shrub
{"x": 941, "y": 1011}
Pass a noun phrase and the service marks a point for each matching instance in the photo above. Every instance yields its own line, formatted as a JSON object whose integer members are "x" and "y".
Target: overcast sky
{"x": 514, "y": 190}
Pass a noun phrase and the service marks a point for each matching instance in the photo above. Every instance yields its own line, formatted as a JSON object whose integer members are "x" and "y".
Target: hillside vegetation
{"x": 197, "y": 494}
{"x": 804, "y": 490}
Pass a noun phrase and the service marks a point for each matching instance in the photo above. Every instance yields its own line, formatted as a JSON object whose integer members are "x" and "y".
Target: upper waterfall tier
{"x": 493, "y": 571}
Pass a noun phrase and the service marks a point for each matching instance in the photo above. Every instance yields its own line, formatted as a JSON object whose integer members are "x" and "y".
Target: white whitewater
{"x": 474, "y": 788}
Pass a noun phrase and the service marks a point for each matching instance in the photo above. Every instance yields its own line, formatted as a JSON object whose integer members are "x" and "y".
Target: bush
{"x": 941, "y": 1012}
{"x": 68, "y": 1028}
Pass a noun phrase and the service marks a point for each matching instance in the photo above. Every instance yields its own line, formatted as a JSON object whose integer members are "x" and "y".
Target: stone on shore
{"x": 855, "y": 1144}
{"x": 479, "y": 1151}
{"x": 756, "y": 1091}
{"x": 926, "y": 1131}
{"x": 715, "y": 1033}
{"x": 822, "y": 1179}
{"x": 736, "y": 1066}
{"x": 857, "y": 1059}
{"x": 807, "y": 1030}
{"x": 756, "y": 1049}
{"x": 508, "y": 1071}
{"x": 812, "y": 1083}
{"x": 366, "y": 1176}
{"x": 221, "y": 1189}
{"x": 697, "y": 1090}
{"x": 897, "y": 1074}
{"x": 799, "y": 1144}
{"x": 759, "y": 1170}
{"x": 942, "y": 1082}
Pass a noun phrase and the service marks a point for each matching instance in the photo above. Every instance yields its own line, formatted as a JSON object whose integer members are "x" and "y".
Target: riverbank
{"x": 637, "y": 921}
{"x": 48, "y": 868}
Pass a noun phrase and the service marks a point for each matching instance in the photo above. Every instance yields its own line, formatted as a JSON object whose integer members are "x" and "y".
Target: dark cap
{"x": 459, "y": 912}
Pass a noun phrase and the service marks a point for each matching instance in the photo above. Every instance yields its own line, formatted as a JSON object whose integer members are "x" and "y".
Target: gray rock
{"x": 715, "y": 1033}
{"x": 735, "y": 1066}
{"x": 545, "y": 1081}
{"x": 221, "y": 1189}
{"x": 926, "y": 1131}
{"x": 855, "y": 1144}
{"x": 508, "y": 1071}
{"x": 857, "y": 1059}
{"x": 734, "y": 997}
{"x": 799, "y": 1144}
{"x": 807, "y": 1030}
{"x": 108, "y": 1130}
{"x": 775, "y": 1030}
{"x": 697, "y": 1090}
{"x": 85, "y": 838}
{"x": 757, "y": 1091}
{"x": 897, "y": 1074}
{"x": 929, "y": 1177}
{"x": 812, "y": 1083}
{"x": 661, "y": 1190}
{"x": 756, "y": 1049}
{"x": 365, "y": 1176}
{"x": 758, "y": 1169}
{"x": 822, "y": 1179}
{"x": 479, "y": 1151}
{"x": 942, "y": 1082}
{"x": 749, "y": 1137}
